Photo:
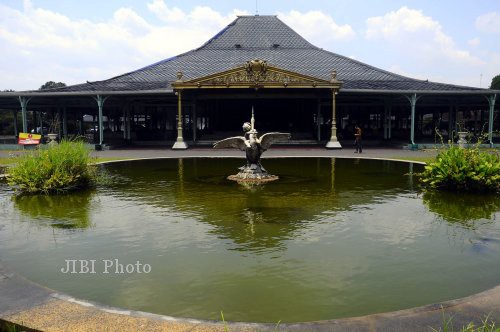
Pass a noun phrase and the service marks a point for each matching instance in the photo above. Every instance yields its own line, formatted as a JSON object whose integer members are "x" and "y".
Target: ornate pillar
{"x": 333, "y": 143}
{"x": 179, "y": 143}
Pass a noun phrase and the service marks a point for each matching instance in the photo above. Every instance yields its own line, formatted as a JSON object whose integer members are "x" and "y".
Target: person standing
{"x": 357, "y": 140}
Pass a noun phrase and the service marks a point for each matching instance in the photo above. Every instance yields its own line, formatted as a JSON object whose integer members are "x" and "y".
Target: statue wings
{"x": 237, "y": 142}
{"x": 267, "y": 139}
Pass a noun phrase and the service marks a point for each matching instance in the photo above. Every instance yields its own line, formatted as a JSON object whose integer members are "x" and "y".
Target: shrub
{"x": 463, "y": 170}
{"x": 61, "y": 167}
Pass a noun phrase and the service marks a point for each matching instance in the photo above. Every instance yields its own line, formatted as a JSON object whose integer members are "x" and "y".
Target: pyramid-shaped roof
{"x": 269, "y": 39}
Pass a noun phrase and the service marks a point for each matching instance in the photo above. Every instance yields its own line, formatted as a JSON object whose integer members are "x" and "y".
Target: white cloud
{"x": 489, "y": 22}
{"x": 166, "y": 14}
{"x": 474, "y": 42}
{"x": 41, "y": 45}
{"x": 410, "y": 31}
{"x": 317, "y": 27}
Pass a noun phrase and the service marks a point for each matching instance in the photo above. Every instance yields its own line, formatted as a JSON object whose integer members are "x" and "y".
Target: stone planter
{"x": 462, "y": 135}
{"x": 52, "y": 138}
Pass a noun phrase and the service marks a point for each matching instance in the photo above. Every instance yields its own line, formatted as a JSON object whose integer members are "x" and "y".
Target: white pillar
{"x": 333, "y": 143}
{"x": 179, "y": 144}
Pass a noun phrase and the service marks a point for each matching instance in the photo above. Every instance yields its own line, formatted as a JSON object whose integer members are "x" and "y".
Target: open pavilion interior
{"x": 256, "y": 62}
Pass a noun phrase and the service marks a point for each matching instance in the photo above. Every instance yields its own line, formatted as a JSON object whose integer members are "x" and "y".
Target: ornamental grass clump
{"x": 463, "y": 170}
{"x": 59, "y": 168}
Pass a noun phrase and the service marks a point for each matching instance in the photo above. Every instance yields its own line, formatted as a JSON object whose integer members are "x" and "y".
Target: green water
{"x": 332, "y": 238}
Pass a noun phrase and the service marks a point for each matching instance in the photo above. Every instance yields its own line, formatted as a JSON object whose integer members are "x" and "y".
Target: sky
{"x": 448, "y": 41}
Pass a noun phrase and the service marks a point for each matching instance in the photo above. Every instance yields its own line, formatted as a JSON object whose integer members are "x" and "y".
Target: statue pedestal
{"x": 252, "y": 173}
{"x": 180, "y": 145}
{"x": 333, "y": 145}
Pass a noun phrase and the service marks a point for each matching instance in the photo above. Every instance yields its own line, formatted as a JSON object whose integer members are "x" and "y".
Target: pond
{"x": 331, "y": 238}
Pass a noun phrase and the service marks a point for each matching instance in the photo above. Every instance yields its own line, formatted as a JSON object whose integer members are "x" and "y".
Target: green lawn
{"x": 9, "y": 161}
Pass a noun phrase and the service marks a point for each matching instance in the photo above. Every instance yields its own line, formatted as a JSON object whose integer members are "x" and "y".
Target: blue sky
{"x": 75, "y": 41}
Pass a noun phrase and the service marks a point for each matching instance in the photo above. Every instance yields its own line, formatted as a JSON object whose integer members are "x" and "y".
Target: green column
{"x": 24, "y": 109}
{"x": 413, "y": 102}
{"x": 100, "y": 104}
{"x": 491, "y": 101}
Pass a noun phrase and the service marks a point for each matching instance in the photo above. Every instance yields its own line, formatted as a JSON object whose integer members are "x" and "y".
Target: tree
{"x": 495, "y": 83}
{"x": 52, "y": 85}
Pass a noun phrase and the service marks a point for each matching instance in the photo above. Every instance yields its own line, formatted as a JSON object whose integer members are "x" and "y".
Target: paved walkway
{"x": 273, "y": 152}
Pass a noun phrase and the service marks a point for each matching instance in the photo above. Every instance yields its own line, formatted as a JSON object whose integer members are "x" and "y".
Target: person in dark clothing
{"x": 357, "y": 141}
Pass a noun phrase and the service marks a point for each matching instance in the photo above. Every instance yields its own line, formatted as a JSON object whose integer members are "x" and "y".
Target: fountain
{"x": 308, "y": 247}
{"x": 254, "y": 146}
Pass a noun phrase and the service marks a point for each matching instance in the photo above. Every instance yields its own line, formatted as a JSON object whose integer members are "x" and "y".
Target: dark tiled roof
{"x": 267, "y": 38}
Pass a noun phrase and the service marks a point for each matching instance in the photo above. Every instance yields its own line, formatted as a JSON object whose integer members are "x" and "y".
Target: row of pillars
{"x": 24, "y": 112}
{"x": 413, "y": 98}
{"x": 333, "y": 143}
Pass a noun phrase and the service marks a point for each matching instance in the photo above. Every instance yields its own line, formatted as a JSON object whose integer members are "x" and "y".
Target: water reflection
{"x": 461, "y": 208}
{"x": 264, "y": 217}
{"x": 70, "y": 211}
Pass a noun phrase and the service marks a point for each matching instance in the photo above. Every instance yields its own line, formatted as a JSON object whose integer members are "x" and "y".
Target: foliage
{"x": 69, "y": 211}
{"x": 463, "y": 170}
{"x": 59, "y": 168}
{"x": 52, "y": 85}
{"x": 495, "y": 83}
{"x": 461, "y": 208}
{"x": 487, "y": 325}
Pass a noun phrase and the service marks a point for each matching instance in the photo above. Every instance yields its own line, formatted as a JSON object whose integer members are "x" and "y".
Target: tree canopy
{"x": 52, "y": 85}
{"x": 495, "y": 83}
